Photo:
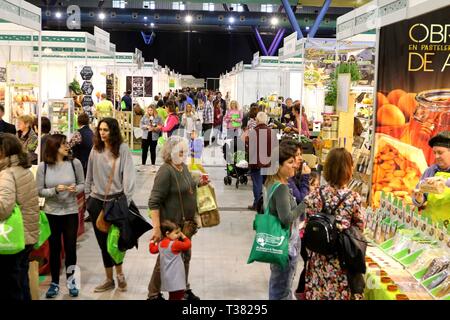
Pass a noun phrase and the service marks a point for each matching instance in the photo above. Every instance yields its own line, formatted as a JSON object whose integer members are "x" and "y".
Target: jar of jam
{"x": 392, "y": 287}
{"x": 431, "y": 116}
{"x": 401, "y": 296}
{"x": 383, "y": 273}
{"x": 386, "y": 280}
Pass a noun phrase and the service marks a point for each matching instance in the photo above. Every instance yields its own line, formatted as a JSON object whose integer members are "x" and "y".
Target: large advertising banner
{"x": 413, "y": 101}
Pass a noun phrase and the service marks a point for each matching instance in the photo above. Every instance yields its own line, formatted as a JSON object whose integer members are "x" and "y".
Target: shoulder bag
{"x": 189, "y": 227}
{"x": 271, "y": 243}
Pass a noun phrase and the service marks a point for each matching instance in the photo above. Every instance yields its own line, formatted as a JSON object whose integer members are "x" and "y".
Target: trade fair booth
{"x": 411, "y": 243}
{"x": 19, "y": 73}
{"x": 267, "y": 76}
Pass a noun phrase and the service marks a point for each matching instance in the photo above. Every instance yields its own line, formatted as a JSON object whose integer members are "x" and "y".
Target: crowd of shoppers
{"x": 100, "y": 164}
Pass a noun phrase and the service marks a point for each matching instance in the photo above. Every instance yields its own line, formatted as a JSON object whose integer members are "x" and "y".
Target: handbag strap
{"x": 179, "y": 192}
{"x": 341, "y": 199}
{"x": 74, "y": 172}
{"x": 272, "y": 191}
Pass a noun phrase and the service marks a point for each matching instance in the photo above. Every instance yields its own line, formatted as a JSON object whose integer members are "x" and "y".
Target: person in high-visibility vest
{"x": 436, "y": 204}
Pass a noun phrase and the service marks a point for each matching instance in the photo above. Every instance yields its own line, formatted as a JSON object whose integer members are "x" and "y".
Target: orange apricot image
{"x": 395, "y": 95}
{"x": 390, "y": 115}
{"x": 408, "y": 105}
{"x": 381, "y": 100}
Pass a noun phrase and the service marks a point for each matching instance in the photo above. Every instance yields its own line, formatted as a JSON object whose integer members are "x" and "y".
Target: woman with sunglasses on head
{"x": 110, "y": 174}
{"x": 59, "y": 180}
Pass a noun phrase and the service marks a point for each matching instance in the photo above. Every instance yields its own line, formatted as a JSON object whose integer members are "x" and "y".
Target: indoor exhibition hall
{"x": 256, "y": 150}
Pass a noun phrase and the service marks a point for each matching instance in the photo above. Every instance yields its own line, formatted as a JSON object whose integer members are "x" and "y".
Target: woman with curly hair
{"x": 110, "y": 174}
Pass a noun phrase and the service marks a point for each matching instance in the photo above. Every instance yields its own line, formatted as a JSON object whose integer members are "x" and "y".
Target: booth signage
{"x": 171, "y": 83}
{"x": 2, "y": 74}
{"x": 413, "y": 105}
{"x": 255, "y": 61}
{"x": 289, "y": 44}
{"x": 86, "y": 73}
{"x": 87, "y": 88}
{"x": 87, "y": 102}
{"x": 23, "y": 74}
{"x": 102, "y": 39}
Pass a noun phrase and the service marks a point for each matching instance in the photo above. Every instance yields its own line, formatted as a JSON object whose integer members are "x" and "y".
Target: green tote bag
{"x": 113, "y": 244}
{"x": 44, "y": 230}
{"x": 12, "y": 234}
{"x": 271, "y": 244}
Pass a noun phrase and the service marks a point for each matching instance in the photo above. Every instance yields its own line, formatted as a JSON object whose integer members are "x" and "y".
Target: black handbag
{"x": 351, "y": 248}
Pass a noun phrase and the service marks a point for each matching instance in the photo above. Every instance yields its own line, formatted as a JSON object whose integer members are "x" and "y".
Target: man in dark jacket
{"x": 259, "y": 144}
{"x": 128, "y": 101}
{"x": 82, "y": 141}
{"x": 5, "y": 126}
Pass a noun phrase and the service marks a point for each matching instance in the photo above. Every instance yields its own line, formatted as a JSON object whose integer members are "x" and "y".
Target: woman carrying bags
{"x": 59, "y": 180}
{"x": 233, "y": 119}
{"x": 283, "y": 205}
{"x": 110, "y": 174}
{"x": 325, "y": 279}
{"x": 173, "y": 197}
{"x": 17, "y": 186}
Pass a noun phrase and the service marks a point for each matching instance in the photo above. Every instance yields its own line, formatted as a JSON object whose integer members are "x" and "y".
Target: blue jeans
{"x": 280, "y": 283}
{"x": 257, "y": 180}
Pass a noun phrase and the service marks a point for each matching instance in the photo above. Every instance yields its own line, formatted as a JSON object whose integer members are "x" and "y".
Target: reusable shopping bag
{"x": 113, "y": 244}
{"x": 205, "y": 199}
{"x": 234, "y": 123}
{"x": 271, "y": 244}
{"x": 123, "y": 105}
{"x": 44, "y": 230}
{"x": 12, "y": 234}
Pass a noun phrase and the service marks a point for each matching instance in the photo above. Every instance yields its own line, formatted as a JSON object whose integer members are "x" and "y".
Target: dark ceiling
{"x": 207, "y": 46}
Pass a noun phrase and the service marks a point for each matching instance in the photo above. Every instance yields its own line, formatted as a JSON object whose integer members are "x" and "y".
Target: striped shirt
{"x": 208, "y": 114}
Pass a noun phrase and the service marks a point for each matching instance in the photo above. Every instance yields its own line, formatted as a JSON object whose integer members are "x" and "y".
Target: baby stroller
{"x": 237, "y": 166}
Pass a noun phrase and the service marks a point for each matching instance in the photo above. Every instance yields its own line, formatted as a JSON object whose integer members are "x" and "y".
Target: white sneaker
{"x": 153, "y": 169}
{"x": 141, "y": 168}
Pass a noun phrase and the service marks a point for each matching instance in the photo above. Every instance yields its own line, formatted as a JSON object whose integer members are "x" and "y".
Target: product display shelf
{"x": 420, "y": 248}
{"x": 387, "y": 279}
{"x": 340, "y": 131}
{"x": 23, "y": 101}
{"x": 406, "y": 258}
{"x": 62, "y": 116}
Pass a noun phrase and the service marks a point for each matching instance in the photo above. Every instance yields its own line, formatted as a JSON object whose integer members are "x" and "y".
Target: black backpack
{"x": 321, "y": 233}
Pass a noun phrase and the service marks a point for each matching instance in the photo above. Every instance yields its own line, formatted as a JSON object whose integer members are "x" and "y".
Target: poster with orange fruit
{"x": 412, "y": 102}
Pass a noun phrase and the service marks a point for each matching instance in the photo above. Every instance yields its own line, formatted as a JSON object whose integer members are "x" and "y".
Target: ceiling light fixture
{"x": 307, "y": 28}
{"x": 145, "y": 18}
{"x": 274, "y": 21}
{"x": 188, "y": 18}
{"x": 58, "y": 15}
{"x": 231, "y": 19}
{"x": 101, "y": 16}
{"x": 152, "y": 24}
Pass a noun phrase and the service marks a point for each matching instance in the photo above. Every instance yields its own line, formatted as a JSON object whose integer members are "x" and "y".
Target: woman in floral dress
{"x": 325, "y": 280}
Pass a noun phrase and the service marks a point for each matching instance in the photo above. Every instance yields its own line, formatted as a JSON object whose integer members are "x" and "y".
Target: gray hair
{"x": 261, "y": 117}
{"x": 172, "y": 147}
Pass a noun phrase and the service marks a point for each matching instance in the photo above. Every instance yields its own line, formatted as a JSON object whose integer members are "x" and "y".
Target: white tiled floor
{"x": 219, "y": 268}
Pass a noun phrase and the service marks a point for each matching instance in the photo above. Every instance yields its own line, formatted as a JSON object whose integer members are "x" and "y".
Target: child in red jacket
{"x": 173, "y": 275}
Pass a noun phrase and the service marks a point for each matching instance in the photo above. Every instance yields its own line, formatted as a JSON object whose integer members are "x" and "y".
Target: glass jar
{"x": 432, "y": 115}
{"x": 401, "y": 296}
